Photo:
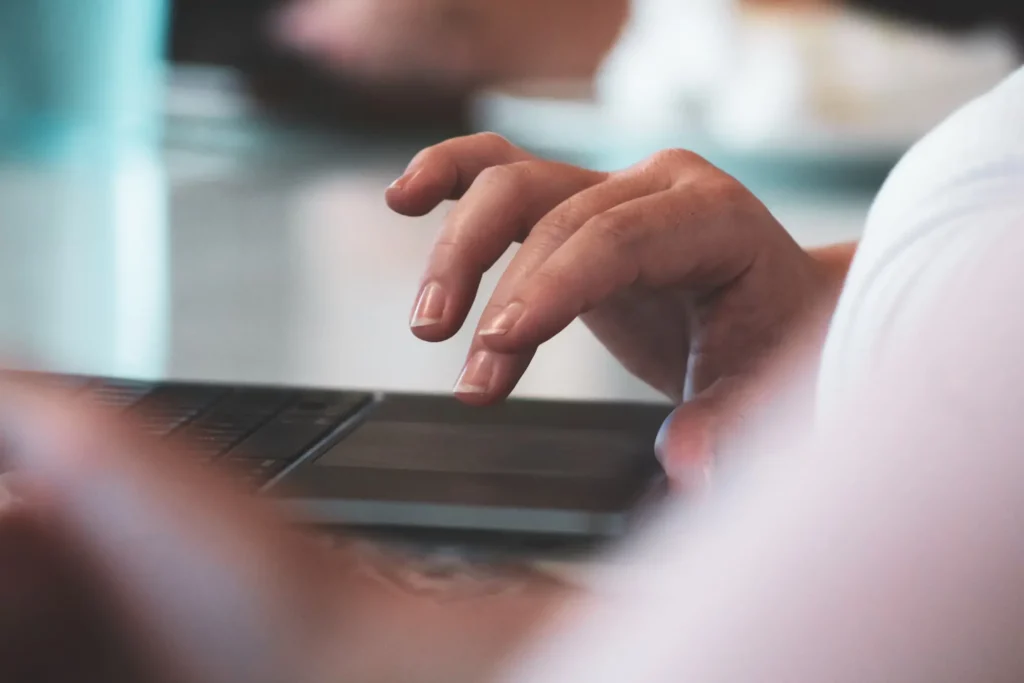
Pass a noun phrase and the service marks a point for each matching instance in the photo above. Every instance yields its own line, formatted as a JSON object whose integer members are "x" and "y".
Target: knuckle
{"x": 450, "y": 255}
{"x": 444, "y": 247}
{"x": 676, "y": 158}
{"x": 730, "y": 191}
{"x": 554, "y": 229}
{"x": 513, "y": 182}
{"x": 617, "y": 228}
{"x": 564, "y": 220}
{"x": 490, "y": 139}
{"x": 494, "y": 307}
{"x": 449, "y": 150}
{"x": 549, "y": 284}
{"x": 431, "y": 157}
{"x": 727, "y": 195}
{"x": 505, "y": 178}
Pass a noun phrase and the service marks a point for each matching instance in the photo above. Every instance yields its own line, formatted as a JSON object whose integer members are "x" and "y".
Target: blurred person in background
{"x": 467, "y": 43}
{"x": 884, "y": 547}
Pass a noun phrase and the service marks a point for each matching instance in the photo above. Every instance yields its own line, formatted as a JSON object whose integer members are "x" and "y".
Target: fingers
{"x": 666, "y": 221}
{"x": 89, "y": 464}
{"x": 570, "y": 278}
{"x": 687, "y": 442}
{"x": 49, "y": 607}
{"x": 771, "y": 399}
{"x": 698, "y": 439}
{"x": 634, "y": 200}
{"x": 217, "y": 588}
{"x": 185, "y": 557}
{"x": 667, "y": 239}
{"x": 500, "y": 208}
{"x": 6, "y": 496}
{"x": 447, "y": 170}
{"x": 490, "y": 376}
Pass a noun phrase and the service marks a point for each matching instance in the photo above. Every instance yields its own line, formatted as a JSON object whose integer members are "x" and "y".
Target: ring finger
{"x": 489, "y": 376}
{"x": 500, "y": 207}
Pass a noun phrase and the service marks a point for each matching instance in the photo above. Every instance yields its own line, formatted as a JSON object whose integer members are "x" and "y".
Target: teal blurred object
{"x": 83, "y": 190}
{"x": 80, "y": 78}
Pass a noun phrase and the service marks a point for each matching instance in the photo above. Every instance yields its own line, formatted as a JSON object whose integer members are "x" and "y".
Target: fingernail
{"x": 429, "y": 308}
{"x": 402, "y": 182}
{"x": 476, "y": 377}
{"x": 504, "y": 321}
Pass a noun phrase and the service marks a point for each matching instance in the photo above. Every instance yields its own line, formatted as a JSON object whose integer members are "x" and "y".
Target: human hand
{"x": 121, "y": 559}
{"x": 460, "y": 42}
{"x": 678, "y": 270}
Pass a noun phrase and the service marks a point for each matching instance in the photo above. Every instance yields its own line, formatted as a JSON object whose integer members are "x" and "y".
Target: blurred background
{"x": 194, "y": 188}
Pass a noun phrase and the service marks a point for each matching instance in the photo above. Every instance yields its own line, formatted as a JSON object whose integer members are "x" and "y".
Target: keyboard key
{"x": 232, "y": 419}
{"x": 118, "y": 394}
{"x": 256, "y": 472}
{"x": 289, "y": 435}
{"x": 282, "y": 441}
{"x": 169, "y": 407}
{"x": 329, "y": 405}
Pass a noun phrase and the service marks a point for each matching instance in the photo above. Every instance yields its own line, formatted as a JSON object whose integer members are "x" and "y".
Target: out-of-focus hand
{"x": 460, "y": 42}
{"x": 121, "y": 560}
{"x": 678, "y": 270}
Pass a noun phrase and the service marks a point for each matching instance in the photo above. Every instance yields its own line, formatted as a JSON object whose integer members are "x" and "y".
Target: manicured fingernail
{"x": 403, "y": 182}
{"x": 477, "y": 375}
{"x": 429, "y": 308}
{"x": 503, "y": 323}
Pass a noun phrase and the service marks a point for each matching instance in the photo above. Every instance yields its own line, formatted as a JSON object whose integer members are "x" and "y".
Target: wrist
{"x": 834, "y": 262}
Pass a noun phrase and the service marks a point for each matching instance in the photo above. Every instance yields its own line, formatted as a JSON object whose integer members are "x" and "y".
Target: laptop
{"x": 561, "y": 473}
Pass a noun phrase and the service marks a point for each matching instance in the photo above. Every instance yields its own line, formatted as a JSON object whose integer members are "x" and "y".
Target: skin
{"x": 453, "y": 42}
{"x": 682, "y": 273}
{"x": 121, "y": 559}
{"x": 150, "y": 568}
{"x": 464, "y": 43}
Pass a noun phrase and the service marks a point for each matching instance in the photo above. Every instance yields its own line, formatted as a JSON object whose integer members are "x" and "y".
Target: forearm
{"x": 411, "y": 619}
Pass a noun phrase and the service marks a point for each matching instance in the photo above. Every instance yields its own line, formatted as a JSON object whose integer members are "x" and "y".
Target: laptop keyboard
{"x": 257, "y": 432}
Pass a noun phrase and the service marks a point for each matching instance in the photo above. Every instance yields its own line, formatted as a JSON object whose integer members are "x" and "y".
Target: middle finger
{"x": 489, "y": 376}
{"x": 500, "y": 208}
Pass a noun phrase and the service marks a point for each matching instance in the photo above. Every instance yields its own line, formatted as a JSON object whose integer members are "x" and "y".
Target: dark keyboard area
{"x": 257, "y": 432}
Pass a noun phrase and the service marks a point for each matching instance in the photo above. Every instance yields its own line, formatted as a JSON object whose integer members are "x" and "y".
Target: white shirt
{"x": 954, "y": 193}
{"x": 891, "y": 547}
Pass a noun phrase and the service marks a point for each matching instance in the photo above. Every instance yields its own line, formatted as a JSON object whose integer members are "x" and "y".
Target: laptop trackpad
{"x": 522, "y": 454}
{"x": 489, "y": 449}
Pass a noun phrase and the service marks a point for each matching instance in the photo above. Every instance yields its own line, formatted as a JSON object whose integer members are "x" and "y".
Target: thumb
{"x": 693, "y": 436}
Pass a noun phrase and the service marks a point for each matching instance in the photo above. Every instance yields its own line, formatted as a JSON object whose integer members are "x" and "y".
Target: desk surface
{"x": 221, "y": 265}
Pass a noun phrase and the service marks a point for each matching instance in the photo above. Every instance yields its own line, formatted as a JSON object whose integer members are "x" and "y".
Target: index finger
{"x": 446, "y": 170}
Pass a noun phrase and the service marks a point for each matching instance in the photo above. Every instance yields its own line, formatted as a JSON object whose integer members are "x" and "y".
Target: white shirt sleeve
{"x": 941, "y": 206}
{"x": 891, "y": 547}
